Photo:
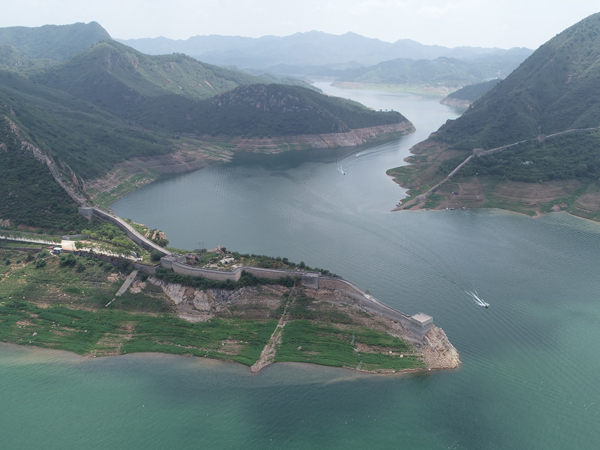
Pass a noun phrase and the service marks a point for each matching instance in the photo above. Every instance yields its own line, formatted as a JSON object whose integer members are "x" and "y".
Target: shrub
{"x": 156, "y": 255}
{"x": 40, "y": 263}
{"x": 67, "y": 260}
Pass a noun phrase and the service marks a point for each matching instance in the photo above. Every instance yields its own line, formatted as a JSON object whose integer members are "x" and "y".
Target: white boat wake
{"x": 475, "y": 296}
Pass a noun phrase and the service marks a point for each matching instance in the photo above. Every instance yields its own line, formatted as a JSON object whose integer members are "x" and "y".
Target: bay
{"x": 530, "y": 369}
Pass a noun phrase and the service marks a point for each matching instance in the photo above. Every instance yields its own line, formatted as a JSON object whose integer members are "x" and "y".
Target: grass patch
{"x": 328, "y": 345}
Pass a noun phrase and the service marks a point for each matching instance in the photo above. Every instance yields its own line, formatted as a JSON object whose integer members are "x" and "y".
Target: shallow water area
{"x": 530, "y": 372}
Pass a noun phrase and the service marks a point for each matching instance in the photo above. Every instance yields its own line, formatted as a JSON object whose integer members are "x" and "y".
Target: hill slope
{"x": 171, "y": 92}
{"x": 115, "y": 77}
{"x": 467, "y": 95}
{"x": 549, "y": 167}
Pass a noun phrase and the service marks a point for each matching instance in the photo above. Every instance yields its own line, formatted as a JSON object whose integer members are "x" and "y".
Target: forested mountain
{"x": 54, "y": 42}
{"x": 555, "y": 89}
{"x": 279, "y": 110}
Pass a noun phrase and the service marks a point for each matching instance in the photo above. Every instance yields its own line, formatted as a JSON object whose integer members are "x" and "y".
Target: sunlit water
{"x": 530, "y": 376}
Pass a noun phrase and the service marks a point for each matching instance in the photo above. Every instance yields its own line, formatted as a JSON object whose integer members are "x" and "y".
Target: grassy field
{"x": 68, "y": 302}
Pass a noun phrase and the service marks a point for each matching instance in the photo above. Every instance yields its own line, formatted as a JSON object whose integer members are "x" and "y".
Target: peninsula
{"x": 245, "y": 308}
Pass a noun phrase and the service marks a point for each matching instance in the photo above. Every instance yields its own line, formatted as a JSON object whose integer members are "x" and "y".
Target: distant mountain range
{"x": 313, "y": 48}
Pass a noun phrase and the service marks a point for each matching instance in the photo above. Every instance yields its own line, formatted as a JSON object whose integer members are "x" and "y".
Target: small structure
{"x": 311, "y": 280}
{"x": 57, "y": 250}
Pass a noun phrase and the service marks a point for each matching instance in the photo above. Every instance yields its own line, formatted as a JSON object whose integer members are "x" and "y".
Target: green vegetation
{"x": 328, "y": 345}
{"x": 279, "y": 110}
{"x": 107, "y": 232}
{"x": 564, "y": 157}
{"x": 117, "y": 78}
{"x": 556, "y": 89}
{"x": 82, "y": 137}
{"x": 114, "y": 332}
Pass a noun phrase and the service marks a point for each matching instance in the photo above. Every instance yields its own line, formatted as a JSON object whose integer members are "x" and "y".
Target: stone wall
{"x": 418, "y": 325}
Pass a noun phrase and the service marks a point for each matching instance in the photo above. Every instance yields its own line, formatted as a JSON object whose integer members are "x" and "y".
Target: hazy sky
{"x": 482, "y": 23}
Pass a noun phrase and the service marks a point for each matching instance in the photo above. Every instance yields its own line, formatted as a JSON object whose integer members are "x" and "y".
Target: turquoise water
{"x": 530, "y": 373}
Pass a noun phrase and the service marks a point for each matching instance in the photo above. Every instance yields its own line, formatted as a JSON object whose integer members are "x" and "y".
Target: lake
{"x": 530, "y": 373}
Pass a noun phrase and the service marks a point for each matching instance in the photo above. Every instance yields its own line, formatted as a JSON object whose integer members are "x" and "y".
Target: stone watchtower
{"x": 420, "y": 324}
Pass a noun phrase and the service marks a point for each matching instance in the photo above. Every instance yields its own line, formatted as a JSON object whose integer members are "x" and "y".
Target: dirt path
{"x": 127, "y": 283}
{"x": 267, "y": 356}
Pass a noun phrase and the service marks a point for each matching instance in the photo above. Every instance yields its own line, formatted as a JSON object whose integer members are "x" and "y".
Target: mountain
{"x": 530, "y": 144}
{"x": 555, "y": 89}
{"x": 301, "y": 49}
{"x": 279, "y": 110}
{"x": 54, "y": 42}
{"x": 444, "y": 71}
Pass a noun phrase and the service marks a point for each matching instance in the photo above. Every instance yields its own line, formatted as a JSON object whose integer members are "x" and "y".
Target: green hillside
{"x": 11, "y": 58}
{"x": 555, "y": 89}
{"x": 265, "y": 110}
{"x": 116, "y": 77}
{"x": 29, "y": 194}
{"x": 55, "y": 42}
{"x": 87, "y": 139}
{"x": 170, "y": 93}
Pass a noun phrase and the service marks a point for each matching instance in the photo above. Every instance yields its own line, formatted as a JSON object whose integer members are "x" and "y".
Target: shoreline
{"x": 203, "y": 360}
{"x": 131, "y": 175}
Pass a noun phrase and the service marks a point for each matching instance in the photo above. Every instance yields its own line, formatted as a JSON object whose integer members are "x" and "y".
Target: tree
{"x": 156, "y": 255}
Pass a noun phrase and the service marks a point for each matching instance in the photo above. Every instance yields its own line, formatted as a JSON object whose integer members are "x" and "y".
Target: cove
{"x": 529, "y": 377}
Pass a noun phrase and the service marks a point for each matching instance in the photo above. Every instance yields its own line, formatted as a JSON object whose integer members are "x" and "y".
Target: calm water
{"x": 530, "y": 376}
